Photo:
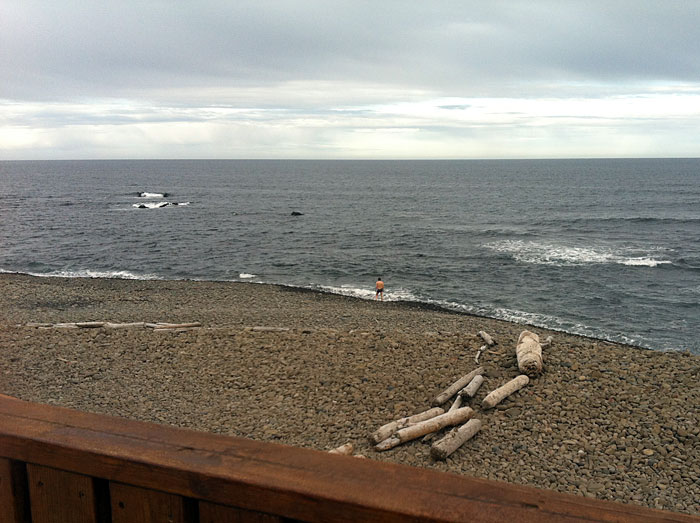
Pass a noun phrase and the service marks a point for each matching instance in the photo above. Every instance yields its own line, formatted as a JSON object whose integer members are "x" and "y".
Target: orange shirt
{"x": 380, "y": 285}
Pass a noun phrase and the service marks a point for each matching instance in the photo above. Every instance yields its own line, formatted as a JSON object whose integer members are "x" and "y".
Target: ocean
{"x": 602, "y": 248}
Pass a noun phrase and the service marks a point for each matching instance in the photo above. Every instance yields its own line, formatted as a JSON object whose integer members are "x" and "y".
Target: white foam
{"x": 368, "y": 293}
{"x": 87, "y": 273}
{"x": 541, "y": 253}
{"x": 151, "y": 195}
{"x": 150, "y": 205}
{"x": 245, "y": 276}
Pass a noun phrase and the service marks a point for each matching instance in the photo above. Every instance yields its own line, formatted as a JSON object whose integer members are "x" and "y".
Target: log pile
{"x": 462, "y": 418}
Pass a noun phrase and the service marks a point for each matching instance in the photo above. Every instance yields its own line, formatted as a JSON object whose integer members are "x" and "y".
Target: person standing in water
{"x": 379, "y": 287}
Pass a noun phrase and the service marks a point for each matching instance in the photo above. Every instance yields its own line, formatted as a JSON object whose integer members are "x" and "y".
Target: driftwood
{"x": 456, "y": 386}
{"x": 478, "y": 354}
{"x": 502, "y": 392}
{"x": 426, "y": 427}
{"x": 547, "y": 342}
{"x": 110, "y": 325}
{"x": 343, "y": 449}
{"x": 90, "y": 324}
{"x": 529, "y": 353}
{"x": 488, "y": 340}
{"x": 456, "y": 404}
{"x": 162, "y": 326}
{"x": 455, "y": 439}
{"x": 471, "y": 389}
{"x": 270, "y": 329}
{"x": 387, "y": 430}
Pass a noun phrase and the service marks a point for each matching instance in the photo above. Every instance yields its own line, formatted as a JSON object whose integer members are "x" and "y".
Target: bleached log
{"x": 174, "y": 325}
{"x": 488, "y": 340}
{"x": 479, "y": 353}
{"x": 65, "y": 326}
{"x": 387, "y": 430}
{"x": 346, "y": 449}
{"x": 471, "y": 389}
{"x": 456, "y": 438}
{"x": 502, "y": 392}
{"x": 34, "y": 324}
{"x": 529, "y": 353}
{"x": 90, "y": 324}
{"x": 456, "y": 386}
{"x": 456, "y": 404}
{"x": 426, "y": 427}
{"x": 110, "y": 325}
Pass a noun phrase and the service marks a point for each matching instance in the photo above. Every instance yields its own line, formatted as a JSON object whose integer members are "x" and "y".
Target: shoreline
{"x": 605, "y": 420}
{"x": 412, "y": 304}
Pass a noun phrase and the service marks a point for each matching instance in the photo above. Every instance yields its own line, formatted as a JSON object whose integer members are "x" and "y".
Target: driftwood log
{"x": 426, "y": 427}
{"x": 455, "y": 439}
{"x": 387, "y": 430}
{"x": 502, "y": 392}
{"x": 488, "y": 340}
{"x": 110, "y": 325}
{"x": 529, "y": 353}
{"x": 346, "y": 449}
{"x": 456, "y": 386}
{"x": 159, "y": 326}
{"x": 456, "y": 404}
{"x": 473, "y": 386}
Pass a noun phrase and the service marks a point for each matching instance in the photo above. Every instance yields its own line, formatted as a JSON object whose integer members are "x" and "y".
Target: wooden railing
{"x": 61, "y": 465}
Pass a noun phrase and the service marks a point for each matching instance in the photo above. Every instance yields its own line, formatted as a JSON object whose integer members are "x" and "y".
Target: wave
{"x": 87, "y": 273}
{"x": 540, "y": 253}
{"x": 246, "y": 276}
{"x": 158, "y": 205}
{"x": 368, "y": 293}
{"x": 144, "y": 194}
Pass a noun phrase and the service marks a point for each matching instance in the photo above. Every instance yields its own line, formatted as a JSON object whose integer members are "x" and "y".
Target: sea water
{"x": 602, "y": 248}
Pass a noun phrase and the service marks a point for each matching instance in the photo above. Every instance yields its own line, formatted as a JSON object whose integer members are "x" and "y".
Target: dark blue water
{"x": 605, "y": 248}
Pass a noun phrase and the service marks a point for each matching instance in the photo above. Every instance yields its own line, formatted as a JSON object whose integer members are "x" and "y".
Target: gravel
{"x": 604, "y": 420}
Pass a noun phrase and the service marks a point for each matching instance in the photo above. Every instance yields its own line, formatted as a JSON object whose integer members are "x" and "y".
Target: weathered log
{"x": 65, "y": 326}
{"x": 343, "y": 449}
{"x": 34, "y": 324}
{"x": 110, "y": 325}
{"x": 502, "y": 392}
{"x": 387, "y": 430}
{"x": 456, "y": 438}
{"x": 529, "y": 353}
{"x": 456, "y": 404}
{"x": 426, "y": 427}
{"x": 456, "y": 386}
{"x": 90, "y": 324}
{"x": 479, "y": 353}
{"x": 487, "y": 339}
{"x": 174, "y": 325}
{"x": 471, "y": 389}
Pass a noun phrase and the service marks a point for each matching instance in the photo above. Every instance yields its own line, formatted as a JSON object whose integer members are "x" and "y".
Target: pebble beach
{"x": 317, "y": 370}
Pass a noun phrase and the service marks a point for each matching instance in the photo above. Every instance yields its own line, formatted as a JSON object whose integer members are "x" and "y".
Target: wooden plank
{"x": 58, "y": 496}
{"x": 215, "y": 513}
{"x": 130, "y": 504}
{"x": 298, "y": 483}
{"x": 14, "y": 495}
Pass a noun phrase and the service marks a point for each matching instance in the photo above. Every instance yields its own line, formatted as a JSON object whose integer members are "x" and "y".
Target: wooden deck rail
{"x": 61, "y": 465}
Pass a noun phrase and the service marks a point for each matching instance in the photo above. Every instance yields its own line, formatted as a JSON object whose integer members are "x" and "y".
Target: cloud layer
{"x": 348, "y": 79}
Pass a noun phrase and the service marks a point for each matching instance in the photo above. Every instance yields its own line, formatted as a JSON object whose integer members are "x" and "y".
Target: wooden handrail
{"x": 122, "y": 465}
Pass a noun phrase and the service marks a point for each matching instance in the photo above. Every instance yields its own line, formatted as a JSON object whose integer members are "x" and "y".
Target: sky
{"x": 354, "y": 79}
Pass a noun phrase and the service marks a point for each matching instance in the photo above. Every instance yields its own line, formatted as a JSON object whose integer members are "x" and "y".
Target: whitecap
{"x": 541, "y": 253}
{"x": 151, "y": 194}
{"x": 87, "y": 273}
{"x": 246, "y": 276}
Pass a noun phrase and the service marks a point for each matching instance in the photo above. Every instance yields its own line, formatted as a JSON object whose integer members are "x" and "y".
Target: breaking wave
{"x": 540, "y": 253}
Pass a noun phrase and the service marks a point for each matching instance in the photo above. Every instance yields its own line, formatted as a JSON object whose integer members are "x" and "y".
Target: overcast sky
{"x": 353, "y": 79}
